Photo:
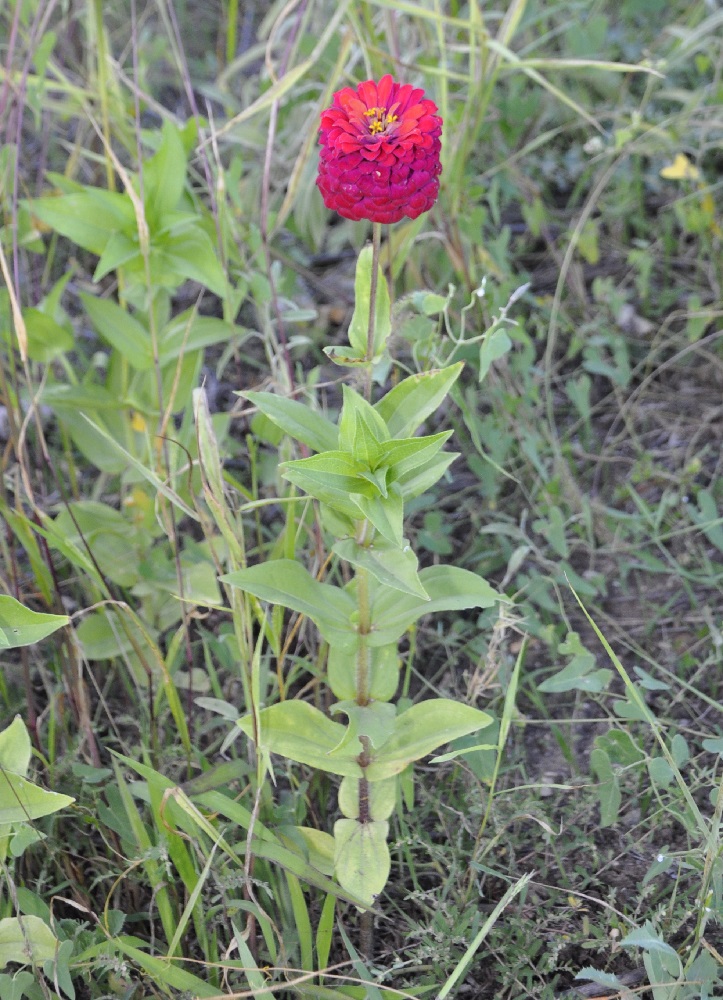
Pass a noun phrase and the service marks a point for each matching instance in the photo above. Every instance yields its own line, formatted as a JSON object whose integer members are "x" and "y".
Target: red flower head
{"x": 380, "y": 149}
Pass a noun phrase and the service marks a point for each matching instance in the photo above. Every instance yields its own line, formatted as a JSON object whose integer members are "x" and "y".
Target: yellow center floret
{"x": 379, "y": 119}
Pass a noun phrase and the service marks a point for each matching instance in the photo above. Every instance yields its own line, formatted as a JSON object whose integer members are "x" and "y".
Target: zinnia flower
{"x": 380, "y": 150}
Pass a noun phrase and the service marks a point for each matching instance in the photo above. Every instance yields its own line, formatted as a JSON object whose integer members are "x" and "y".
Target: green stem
{"x": 362, "y": 656}
{"x": 376, "y": 254}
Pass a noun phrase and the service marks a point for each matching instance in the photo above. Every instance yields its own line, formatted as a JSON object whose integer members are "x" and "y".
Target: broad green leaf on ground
{"x": 420, "y": 730}
{"x": 297, "y": 420}
{"x": 21, "y": 800}
{"x": 25, "y": 940}
{"x": 361, "y": 857}
{"x": 300, "y": 732}
{"x": 579, "y": 674}
{"x": 15, "y": 748}
{"x": 450, "y": 588}
{"x": 608, "y": 787}
{"x": 407, "y": 405}
{"x": 19, "y": 626}
{"x": 286, "y": 582}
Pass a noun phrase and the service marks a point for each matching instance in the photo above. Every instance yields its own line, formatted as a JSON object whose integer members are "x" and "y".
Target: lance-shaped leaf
{"x": 358, "y": 328}
{"x": 450, "y": 589}
{"x": 419, "y": 480}
{"x": 407, "y": 405}
{"x": 385, "y": 513}
{"x": 286, "y": 582}
{"x": 330, "y": 477}
{"x": 406, "y": 454}
{"x": 358, "y": 415}
{"x": 420, "y": 730}
{"x": 361, "y": 856}
{"x": 300, "y": 732}
{"x": 297, "y": 420}
{"x": 390, "y": 564}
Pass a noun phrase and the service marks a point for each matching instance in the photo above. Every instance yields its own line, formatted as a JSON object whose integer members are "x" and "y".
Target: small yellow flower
{"x": 138, "y": 423}
{"x": 680, "y": 169}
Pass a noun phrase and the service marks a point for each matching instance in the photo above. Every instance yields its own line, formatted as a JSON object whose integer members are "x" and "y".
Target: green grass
{"x": 584, "y": 285}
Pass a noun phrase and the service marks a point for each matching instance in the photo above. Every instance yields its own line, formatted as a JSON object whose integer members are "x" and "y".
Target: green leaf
{"x": 300, "y": 732}
{"x": 620, "y": 747}
{"x": 119, "y": 250}
{"x": 660, "y": 771}
{"x": 21, "y": 800}
{"x": 405, "y": 455}
{"x": 375, "y": 721}
{"x": 25, "y": 940}
{"x": 385, "y": 513}
{"x": 383, "y": 672}
{"x": 165, "y": 973}
{"x": 189, "y": 332}
{"x": 420, "y": 479}
{"x": 361, "y": 429}
{"x": 158, "y": 484}
{"x": 361, "y": 857}
{"x": 450, "y": 589}
{"x": 709, "y": 518}
{"x": 46, "y": 338}
{"x": 359, "y": 326}
{"x": 89, "y": 218}
{"x": 121, "y": 330}
{"x": 297, "y": 420}
{"x": 390, "y": 564}
{"x": 330, "y": 477}
{"x": 608, "y": 787}
{"x": 647, "y": 938}
{"x": 286, "y": 582}
{"x": 19, "y": 626}
{"x": 493, "y": 347}
{"x": 15, "y": 748}
{"x": 318, "y": 846}
{"x": 552, "y": 528}
{"x": 164, "y": 175}
{"x": 578, "y": 675}
{"x": 407, "y": 405}
{"x": 192, "y": 256}
{"x": 382, "y": 798}
{"x": 420, "y": 730}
